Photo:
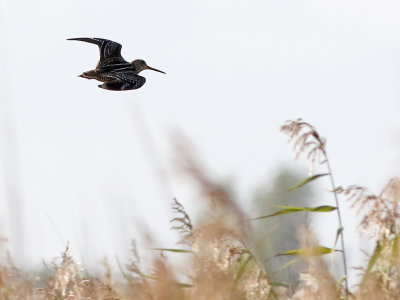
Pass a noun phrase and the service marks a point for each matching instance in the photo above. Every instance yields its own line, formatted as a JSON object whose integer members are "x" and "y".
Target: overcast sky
{"x": 88, "y": 165}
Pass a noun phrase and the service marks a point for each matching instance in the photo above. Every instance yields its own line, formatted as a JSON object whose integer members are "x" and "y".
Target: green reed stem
{"x": 340, "y": 223}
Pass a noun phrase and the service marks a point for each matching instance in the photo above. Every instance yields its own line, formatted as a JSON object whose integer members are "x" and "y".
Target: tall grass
{"x": 310, "y": 143}
{"x": 219, "y": 262}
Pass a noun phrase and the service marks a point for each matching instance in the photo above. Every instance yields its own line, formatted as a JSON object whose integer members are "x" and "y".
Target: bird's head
{"x": 140, "y": 65}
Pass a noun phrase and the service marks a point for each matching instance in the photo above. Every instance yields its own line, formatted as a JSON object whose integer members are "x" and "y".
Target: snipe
{"x": 112, "y": 69}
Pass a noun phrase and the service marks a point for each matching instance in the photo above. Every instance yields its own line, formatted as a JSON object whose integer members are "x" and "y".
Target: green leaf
{"x": 184, "y": 285}
{"x": 242, "y": 269}
{"x": 374, "y": 257}
{"x": 316, "y": 251}
{"x": 307, "y": 180}
{"x": 322, "y": 208}
{"x": 396, "y": 247}
{"x": 393, "y": 244}
{"x": 292, "y": 209}
{"x": 173, "y": 250}
{"x": 339, "y": 231}
{"x": 286, "y": 265}
{"x": 124, "y": 274}
{"x": 337, "y": 189}
{"x": 279, "y": 284}
{"x": 341, "y": 280}
{"x": 149, "y": 276}
{"x": 129, "y": 277}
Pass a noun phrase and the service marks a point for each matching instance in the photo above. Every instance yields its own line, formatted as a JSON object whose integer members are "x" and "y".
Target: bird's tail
{"x": 89, "y": 75}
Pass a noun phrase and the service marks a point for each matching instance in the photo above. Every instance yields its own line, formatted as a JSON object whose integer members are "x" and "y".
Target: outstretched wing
{"x": 124, "y": 81}
{"x": 110, "y": 52}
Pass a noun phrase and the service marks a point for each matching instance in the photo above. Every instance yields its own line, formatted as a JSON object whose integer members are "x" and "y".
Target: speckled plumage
{"x": 112, "y": 69}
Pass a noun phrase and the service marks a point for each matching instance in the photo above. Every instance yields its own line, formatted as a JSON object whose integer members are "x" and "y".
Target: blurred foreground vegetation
{"x": 230, "y": 255}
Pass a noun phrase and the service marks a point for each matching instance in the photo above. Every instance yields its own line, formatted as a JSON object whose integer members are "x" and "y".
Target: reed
{"x": 219, "y": 262}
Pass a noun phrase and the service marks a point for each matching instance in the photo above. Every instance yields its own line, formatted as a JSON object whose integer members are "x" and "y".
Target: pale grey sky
{"x": 236, "y": 70}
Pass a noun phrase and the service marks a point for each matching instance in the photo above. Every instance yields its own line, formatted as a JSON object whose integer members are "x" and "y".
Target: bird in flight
{"x": 112, "y": 69}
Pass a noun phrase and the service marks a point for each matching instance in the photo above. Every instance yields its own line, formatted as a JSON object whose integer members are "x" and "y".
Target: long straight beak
{"x": 150, "y": 68}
